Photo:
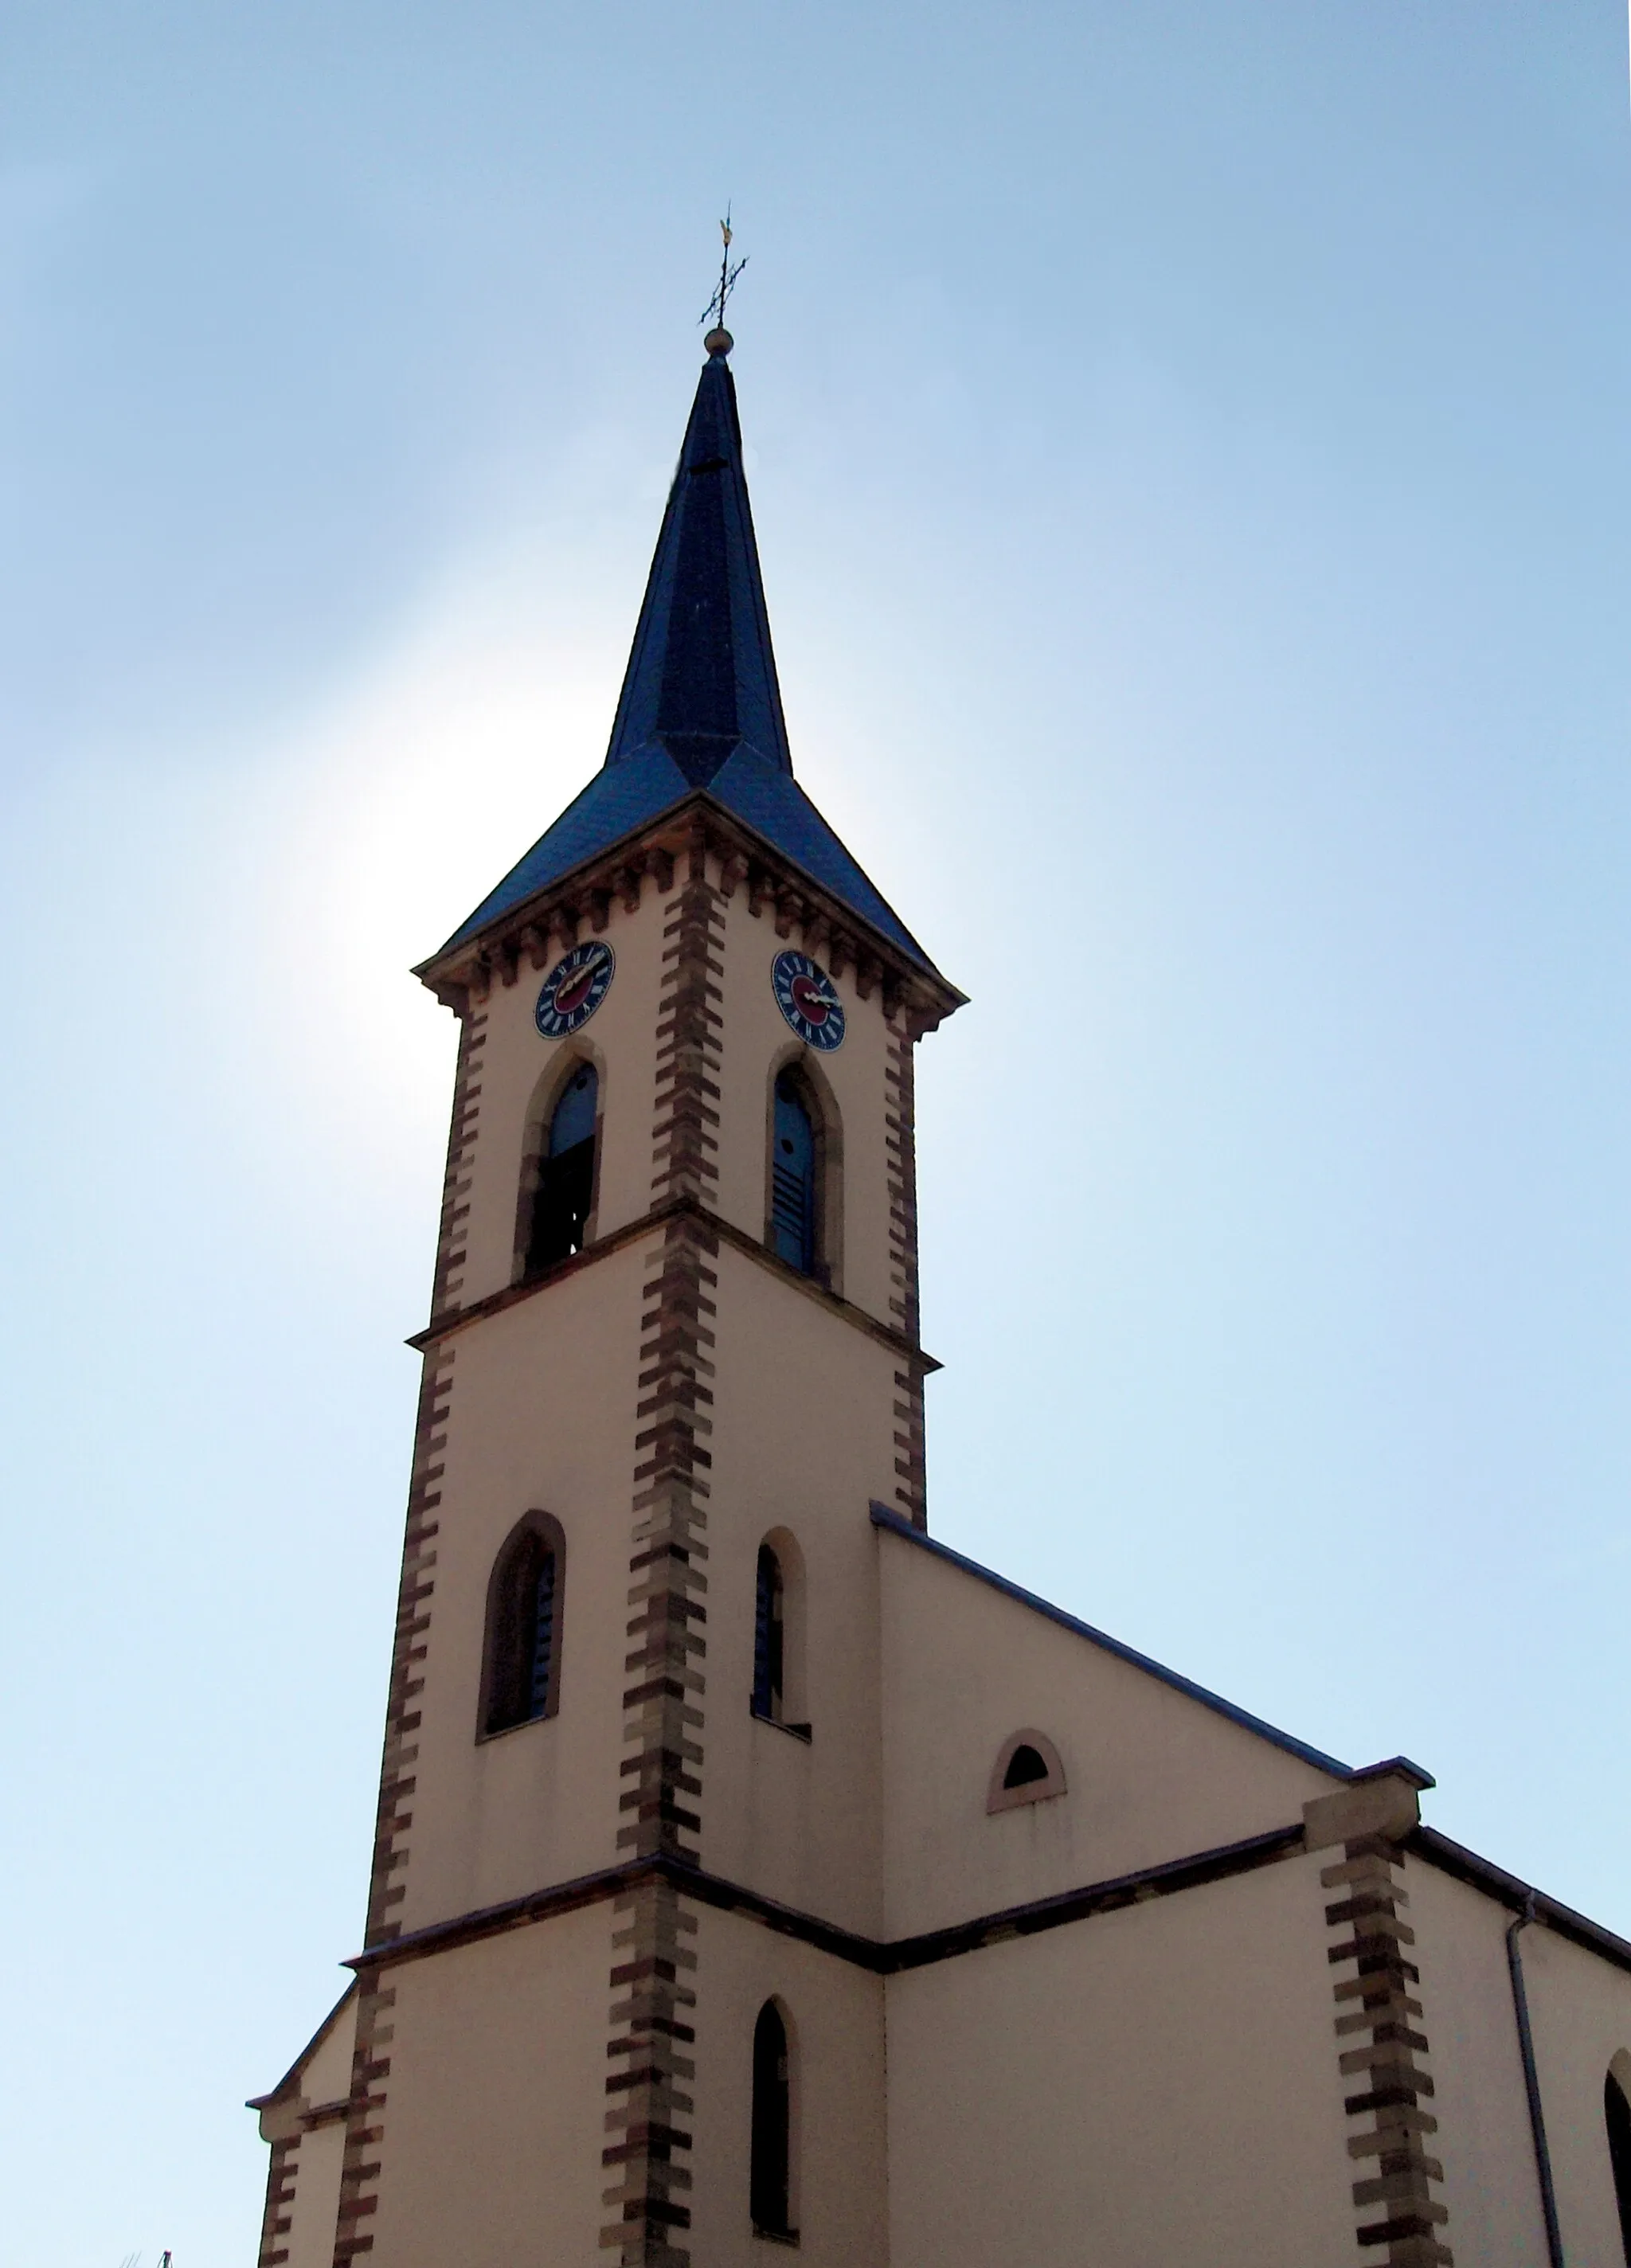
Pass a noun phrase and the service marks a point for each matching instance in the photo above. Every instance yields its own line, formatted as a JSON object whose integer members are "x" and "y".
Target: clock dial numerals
{"x": 809, "y": 999}
{"x": 574, "y": 988}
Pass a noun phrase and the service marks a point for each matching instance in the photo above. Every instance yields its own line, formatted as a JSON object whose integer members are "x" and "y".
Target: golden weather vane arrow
{"x": 718, "y": 340}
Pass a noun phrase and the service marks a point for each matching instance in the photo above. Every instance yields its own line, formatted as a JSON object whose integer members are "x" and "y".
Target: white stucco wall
{"x": 496, "y": 2098}
{"x": 1152, "y": 1773}
{"x": 1157, "y": 2085}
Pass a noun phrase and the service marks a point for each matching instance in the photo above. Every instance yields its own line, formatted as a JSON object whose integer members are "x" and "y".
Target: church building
{"x": 752, "y": 1872}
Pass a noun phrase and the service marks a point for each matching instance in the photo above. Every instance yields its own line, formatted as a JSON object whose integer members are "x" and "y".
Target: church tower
{"x": 673, "y": 1359}
{"x": 752, "y": 1870}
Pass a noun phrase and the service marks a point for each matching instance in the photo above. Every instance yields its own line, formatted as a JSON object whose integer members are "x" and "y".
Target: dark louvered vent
{"x": 792, "y": 1179}
{"x": 544, "y": 1633}
{"x": 523, "y": 1636}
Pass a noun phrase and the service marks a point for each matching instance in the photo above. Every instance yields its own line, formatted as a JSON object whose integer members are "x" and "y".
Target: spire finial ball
{"x": 719, "y": 342}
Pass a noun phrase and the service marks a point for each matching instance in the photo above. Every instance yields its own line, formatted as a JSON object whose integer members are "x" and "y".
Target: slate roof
{"x": 700, "y": 706}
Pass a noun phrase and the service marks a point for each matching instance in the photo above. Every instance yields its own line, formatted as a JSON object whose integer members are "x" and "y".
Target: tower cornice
{"x": 454, "y": 1320}
{"x": 693, "y": 830}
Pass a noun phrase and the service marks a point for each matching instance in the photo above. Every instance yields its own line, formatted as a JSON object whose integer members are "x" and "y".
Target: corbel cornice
{"x": 694, "y": 829}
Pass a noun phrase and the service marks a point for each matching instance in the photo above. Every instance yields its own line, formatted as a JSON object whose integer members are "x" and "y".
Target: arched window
{"x": 1027, "y": 1770}
{"x": 1025, "y": 1765}
{"x": 794, "y": 1223}
{"x": 1617, "y": 2119}
{"x": 778, "y": 1635}
{"x": 769, "y": 1638}
{"x": 770, "y": 2179}
{"x": 521, "y": 1665}
{"x": 565, "y": 1192}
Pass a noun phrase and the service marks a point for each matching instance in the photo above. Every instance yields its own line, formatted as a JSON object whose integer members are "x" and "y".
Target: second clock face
{"x": 574, "y": 988}
{"x": 809, "y": 999}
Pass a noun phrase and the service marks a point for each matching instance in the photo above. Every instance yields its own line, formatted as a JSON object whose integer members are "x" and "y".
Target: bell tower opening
{"x": 565, "y": 1192}
{"x": 794, "y": 1196}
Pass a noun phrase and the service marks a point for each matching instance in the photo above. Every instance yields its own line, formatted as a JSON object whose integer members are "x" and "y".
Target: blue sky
{"x": 1189, "y": 451}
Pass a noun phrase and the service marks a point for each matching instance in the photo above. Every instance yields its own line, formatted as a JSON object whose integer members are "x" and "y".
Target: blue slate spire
{"x": 700, "y": 706}
{"x": 702, "y": 677}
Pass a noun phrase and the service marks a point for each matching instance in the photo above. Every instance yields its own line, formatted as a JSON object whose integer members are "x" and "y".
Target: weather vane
{"x": 728, "y": 273}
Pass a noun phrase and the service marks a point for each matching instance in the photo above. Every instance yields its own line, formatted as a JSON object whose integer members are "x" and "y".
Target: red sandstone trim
{"x": 649, "y": 2105}
{"x": 360, "y": 2172}
{"x": 1381, "y": 2057}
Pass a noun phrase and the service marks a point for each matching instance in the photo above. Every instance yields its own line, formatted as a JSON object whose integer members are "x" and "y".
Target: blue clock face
{"x": 574, "y": 988}
{"x": 809, "y": 999}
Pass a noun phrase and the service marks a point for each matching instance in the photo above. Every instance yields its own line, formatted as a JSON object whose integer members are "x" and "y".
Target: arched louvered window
{"x": 1617, "y": 2119}
{"x": 779, "y": 1696}
{"x": 793, "y": 1176}
{"x": 521, "y": 1668}
{"x": 566, "y": 1191}
{"x": 769, "y": 1638}
{"x": 770, "y": 2182}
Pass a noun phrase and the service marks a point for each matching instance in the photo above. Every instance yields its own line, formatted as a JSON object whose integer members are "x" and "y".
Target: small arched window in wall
{"x": 769, "y": 2177}
{"x": 794, "y": 1224}
{"x": 1617, "y": 2119}
{"x": 521, "y": 1656}
{"x": 769, "y": 1637}
{"x": 779, "y": 1635}
{"x": 565, "y": 1191}
{"x": 1027, "y": 1770}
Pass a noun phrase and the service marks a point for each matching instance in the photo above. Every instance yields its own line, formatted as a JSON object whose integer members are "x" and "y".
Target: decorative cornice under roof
{"x": 700, "y": 826}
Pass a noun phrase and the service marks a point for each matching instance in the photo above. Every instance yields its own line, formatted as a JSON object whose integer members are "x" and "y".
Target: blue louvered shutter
{"x": 793, "y": 1180}
{"x": 566, "y": 1175}
{"x": 542, "y": 1632}
{"x": 574, "y": 1114}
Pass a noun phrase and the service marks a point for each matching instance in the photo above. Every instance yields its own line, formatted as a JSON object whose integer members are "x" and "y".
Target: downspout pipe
{"x": 1531, "y": 2084}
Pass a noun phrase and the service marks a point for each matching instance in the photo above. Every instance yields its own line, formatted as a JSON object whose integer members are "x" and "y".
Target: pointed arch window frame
{"x": 779, "y": 1696}
{"x": 548, "y": 1097}
{"x": 773, "y": 2132}
{"x": 821, "y": 1106}
{"x": 1617, "y": 2125}
{"x": 495, "y": 1637}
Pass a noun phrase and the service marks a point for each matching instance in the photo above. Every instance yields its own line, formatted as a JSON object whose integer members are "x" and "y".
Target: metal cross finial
{"x": 728, "y": 273}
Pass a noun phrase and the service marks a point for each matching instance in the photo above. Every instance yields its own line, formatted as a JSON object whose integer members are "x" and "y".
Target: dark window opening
{"x": 1616, "y": 2118}
{"x": 769, "y": 1638}
{"x": 522, "y": 1641}
{"x": 792, "y": 1178}
{"x": 1024, "y": 1766}
{"x": 770, "y": 2163}
{"x": 560, "y": 1209}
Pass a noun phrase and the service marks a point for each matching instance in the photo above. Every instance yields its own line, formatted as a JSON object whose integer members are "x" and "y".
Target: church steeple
{"x": 672, "y": 1360}
{"x": 701, "y": 680}
{"x": 700, "y": 711}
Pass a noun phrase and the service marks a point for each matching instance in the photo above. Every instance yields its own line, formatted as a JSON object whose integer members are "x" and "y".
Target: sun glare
{"x": 408, "y": 797}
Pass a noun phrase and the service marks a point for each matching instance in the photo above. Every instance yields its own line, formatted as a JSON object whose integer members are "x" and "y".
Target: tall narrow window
{"x": 768, "y": 1638}
{"x": 1617, "y": 2119}
{"x": 566, "y": 1175}
{"x": 770, "y": 2162}
{"x": 521, "y": 1669}
{"x": 792, "y": 1177}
